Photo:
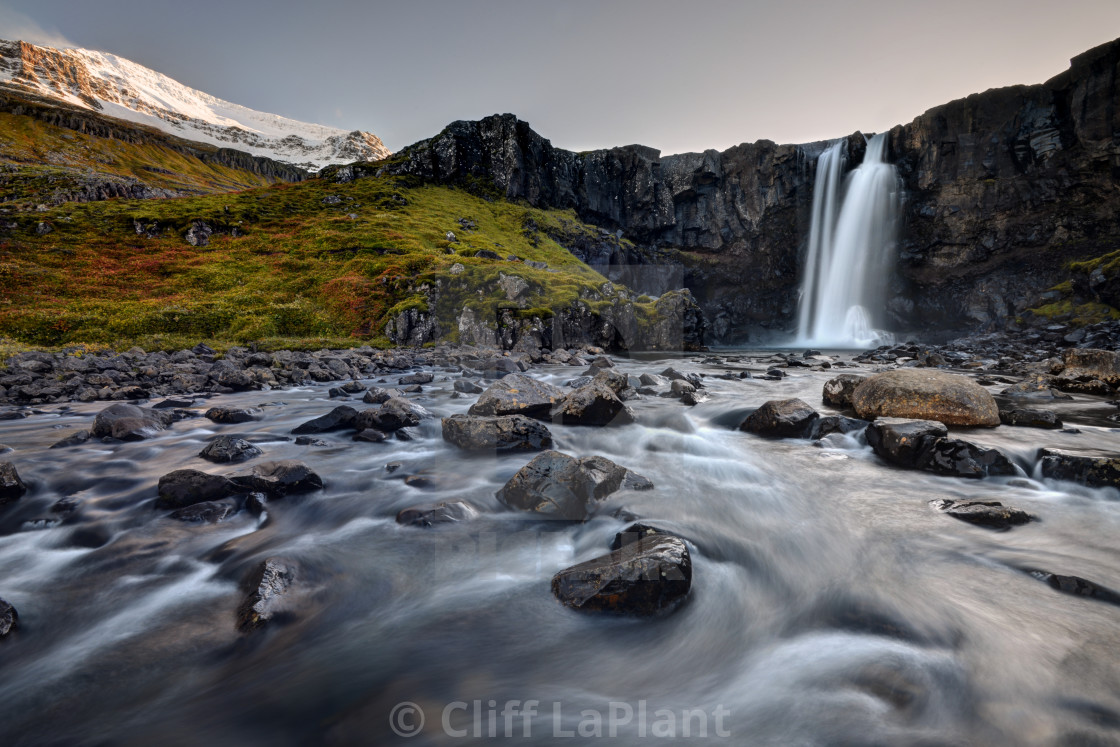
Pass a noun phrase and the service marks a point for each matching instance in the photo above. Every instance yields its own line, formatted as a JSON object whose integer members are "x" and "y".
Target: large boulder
{"x": 501, "y": 434}
{"x": 186, "y": 487}
{"x": 267, "y": 588}
{"x": 925, "y": 394}
{"x": 645, "y": 577}
{"x": 282, "y": 477}
{"x": 838, "y": 391}
{"x": 517, "y": 394}
{"x": 559, "y": 486}
{"x": 1095, "y": 469}
{"x": 592, "y": 404}
{"x": 1090, "y": 364}
{"x": 228, "y": 449}
{"x": 339, "y": 418}
{"x": 129, "y": 422}
{"x": 951, "y": 456}
{"x": 903, "y": 442}
{"x": 395, "y": 414}
{"x": 781, "y": 418}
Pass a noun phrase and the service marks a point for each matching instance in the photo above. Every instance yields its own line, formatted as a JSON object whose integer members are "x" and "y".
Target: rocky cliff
{"x": 1002, "y": 190}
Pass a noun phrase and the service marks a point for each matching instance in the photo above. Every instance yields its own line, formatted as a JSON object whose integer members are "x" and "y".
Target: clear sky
{"x": 679, "y": 76}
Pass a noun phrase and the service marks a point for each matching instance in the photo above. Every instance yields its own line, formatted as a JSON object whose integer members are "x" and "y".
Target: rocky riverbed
{"x": 910, "y": 545}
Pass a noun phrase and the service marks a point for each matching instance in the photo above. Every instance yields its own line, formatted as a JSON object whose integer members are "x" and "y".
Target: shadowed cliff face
{"x": 1002, "y": 189}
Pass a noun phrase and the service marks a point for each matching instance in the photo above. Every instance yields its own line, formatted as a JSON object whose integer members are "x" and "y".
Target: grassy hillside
{"x": 289, "y": 264}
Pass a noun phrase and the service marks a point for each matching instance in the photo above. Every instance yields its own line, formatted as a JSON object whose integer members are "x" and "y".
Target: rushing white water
{"x": 851, "y": 241}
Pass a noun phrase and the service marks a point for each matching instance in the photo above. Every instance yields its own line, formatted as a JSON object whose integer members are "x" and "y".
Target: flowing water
{"x": 851, "y": 244}
{"x": 830, "y": 604}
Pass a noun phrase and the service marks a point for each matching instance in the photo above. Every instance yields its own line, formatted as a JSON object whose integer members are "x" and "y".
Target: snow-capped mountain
{"x": 121, "y": 88}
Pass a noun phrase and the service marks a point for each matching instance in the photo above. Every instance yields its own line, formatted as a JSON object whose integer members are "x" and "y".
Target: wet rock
{"x": 947, "y": 456}
{"x": 559, "y": 486}
{"x": 282, "y": 477}
{"x": 1095, "y": 387}
{"x": 1094, "y": 469}
{"x": 379, "y": 396}
{"x": 13, "y": 414}
{"x": 593, "y": 404}
{"x": 417, "y": 378}
{"x": 925, "y": 394}
{"x": 652, "y": 380}
{"x": 830, "y": 424}
{"x": 441, "y": 513}
{"x": 990, "y": 514}
{"x": 339, "y": 418}
{"x": 501, "y": 434}
{"x": 517, "y": 394}
{"x": 370, "y": 435}
{"x": 673, "y": 374}
{"x": 467, "y": 387}
{"x": 76, "y": 438}
{"x": 129, "y": 422}
{"x": 1089, "y": 364}
{"x": 650, "y": 576}
{"x": 837, "y": 391}
{"x": 1077, "y": 586}
{"x": 693, "y": 398}
{"x": 186, "y": 487}
{"x": 633, "y": 533}
{"x": 395, "y": 414}
{"x": 9, "y": 618}
{"x": 1028, "y": 418}
{"x": 309, "y": 441}
{"x": 680, "y": 387}
{"x": 231, "y": 415}
{"x": 267, "y": 588}
{"x": 781, "y": 418}
{"x": 1035, "y": 387}
{"x": 11, "y": 486}
{"x": 208, "y": 512}
{"x": 902, "y": 441}
{"x": 227, "y": 449}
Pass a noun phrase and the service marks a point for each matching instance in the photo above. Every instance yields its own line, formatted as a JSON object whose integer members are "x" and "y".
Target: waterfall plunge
{"x": 851, "y": 242}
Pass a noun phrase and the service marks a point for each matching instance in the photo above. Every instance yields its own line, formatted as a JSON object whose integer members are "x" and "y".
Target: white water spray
{"x": 851, "y": 242}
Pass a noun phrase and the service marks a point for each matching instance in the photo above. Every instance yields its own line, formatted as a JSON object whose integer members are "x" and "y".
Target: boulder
{"x": 835, "y": 424}
{"x": 1090, "y": 364}
{"x": 11, "y": 486}
{"x": 227, "y": 449}
{"x": 1077, "y": 586}
{"x": 282, "y": 477}
{"x": 990, "y": 514}
{"x": 371, "y": 436}
{"x": 395, "y": 414}
{"x": 837, "y": 391}
{"x": 1028, "y": 418}
{"x": 781, "y": 418}
{"x": 950, "y": 456}
{"x": 232, "y": 414}
{"x": 517, "y": 394}
{"x": 925, "y": 394}
{"x": 76, "y": 438}
{"x": 1083, "y": 385}
{"x": 9, "y": 618}
{"x": 466, "y": 386}
{"x": 417, "y": 378}
{"x": 441, "y": 513}
{"x": 378, "y": 396}
{"x": 922, "y": 444}
{"x": 186, "y": 487}
{"x": 501, "y": 434}
{"x": 559, "y": 486}
{"x": 901, "y": 441}
{"x": 592, "y": 404}
{"x": 646, "y": 577}
{"x": 1094, "y": 469}
{"x": 633, "y": 533}
{"x": 207, "y": 512}
{"x": 129, "y": 422}
{"x": 1038, "y": 386}
{"x": 339, "y": 418}
{"x": 267, "y": 588}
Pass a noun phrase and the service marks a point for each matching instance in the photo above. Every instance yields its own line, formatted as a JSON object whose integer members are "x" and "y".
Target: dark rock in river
{"x": 395, "y": 414}
{"x": 283, "y": 477}
{"x": 232, "y": 414}
{"x": 9, "y": 618}
{"x": 225, "y": 449}
{"x": 1028, "y": 418}
{"x": 370, "y": 435}
{"x": 378, "y": 396}
{"x": 417, "y": 378}
{"x": 633, "y": 533}
{"x": 1077, "y": 586}
{"x": 948, "y": 456}
{"x": 838, "y": 391}
{"x": 592, "y": 404}
{"x": 781, "y": 418}
{"x": 925, "y": 394}
{"x": 467, "y": 386}
{"x": 129, "y": 422}
{"x": 1089, "y": 364}
{"x": 835, "y": 424}
{"x": 186, "y": 487}
{"x": 902, "y": 441}
{"x": 559, "y": 486}
{"x": 517, "y": 394}
{"x": 991, "y": 514}
{"x": 650, "y": 576}
{"x": 1097, "y": 470}
{"x": 440, "y": 513}
{"x": 267, "y": 588}
{"x": 1035, "y": 387}
{"x": 11, "y": 486}
{"x": 74, "y": 439}
{"x": 208, "y": 512}
{"x": 500, "y": 434}
{"x": 339, "y": 418}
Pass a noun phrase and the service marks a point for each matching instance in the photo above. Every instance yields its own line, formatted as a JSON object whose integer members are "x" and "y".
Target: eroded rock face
{"x": 501, "y": 434}
{"x": 555, "y": 485}
{"x": 517, "y": 394}
{"x": 925, "y": 394}
{"x": 781, "y": 418}
{"x": 645, "y": 577}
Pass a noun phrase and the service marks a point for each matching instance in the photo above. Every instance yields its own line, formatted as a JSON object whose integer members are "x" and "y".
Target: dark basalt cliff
{"x": 1002, "y": 189}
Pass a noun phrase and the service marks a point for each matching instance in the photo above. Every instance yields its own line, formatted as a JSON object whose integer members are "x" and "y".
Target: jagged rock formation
{"x": 1001, "y": 189}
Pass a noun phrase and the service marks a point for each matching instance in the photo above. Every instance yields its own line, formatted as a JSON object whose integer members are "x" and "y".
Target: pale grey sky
{"x": 678, "y": 76}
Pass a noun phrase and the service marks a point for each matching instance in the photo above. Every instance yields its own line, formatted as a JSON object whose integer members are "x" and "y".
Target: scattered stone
{"x": 1094, "y": 469}
{"x": 9, "y": 618}
{"x": 417, "y": 378}
{"x": 503, "y": 434}
{"x": 517, "y": 394}
{"x": 991, "y": 514}
{"x": 267, "y": 588}
{"x": 76, "y": 438}
{"x": 781, "y": 418}
{"x": 592, "y": 404}
{"x": 379, "y": 396}
{"x": 339, "y": 418}
{"x": 1035, "y": 387}
{"x": 1077, "y": 586}
{"x": 371, "y": 435}
{"x": 395, "y": 414}
{"x": 1028, "y": 418}
{"x": 563, "y": 487}
{"x": 441, "y": 513}
{"x": 925, "y": 394}
{"x": 309, "y": 441}
{"x": 282, "y": 477}
{"x": 129, "y": 422}
{"x": 680, "y": 387}
{"x": 186, "y": 487}
{"x": 231, "y": 415}
{"x": 11, "y": 486}
{"x": 838, "y": 391}
{"x": 226, "y": 449}
{"x": 652, "y": 380}
{"x": 650, "y": 576}
{"x": 467, "y": 387}
{"x": 208, "y": 512}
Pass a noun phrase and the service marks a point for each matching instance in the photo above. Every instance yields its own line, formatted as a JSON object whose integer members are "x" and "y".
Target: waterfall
{"x": 851, "y": 243}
